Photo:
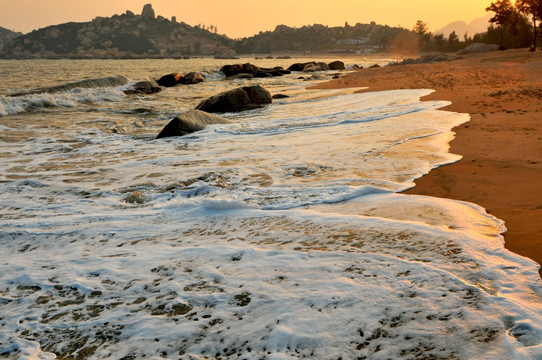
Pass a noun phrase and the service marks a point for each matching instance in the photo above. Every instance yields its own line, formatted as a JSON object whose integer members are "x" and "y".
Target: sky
{"x": 241, "y": 18}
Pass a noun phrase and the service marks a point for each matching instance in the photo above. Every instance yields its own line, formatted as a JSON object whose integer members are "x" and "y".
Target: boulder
{"x": 236, "y": 100}
{"x": 191, "y": 78}
{"x": 477, "y": 48}
{"x": 231, "y": 70}
{"x": 336, "y": 65}
{"x": 147, "y": 12}
{"x": 312, "y": 67}
{"x": 299, "y": 66}
{"x": 169, "y": 80}
{"x": 375, "y": 66}
{"x": 144, "y": 87}
{"x": 258, "y": 95}
{"x": 189, "y": 122}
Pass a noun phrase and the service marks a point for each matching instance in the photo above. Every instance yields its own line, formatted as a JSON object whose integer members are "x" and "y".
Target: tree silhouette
{"x": 421, "y": 30}
{"x": 504, "y": 13}
{"x": 532, "y": 8}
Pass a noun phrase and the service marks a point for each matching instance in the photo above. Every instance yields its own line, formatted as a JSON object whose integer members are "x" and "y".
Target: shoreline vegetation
{"x": 501, "y": 145}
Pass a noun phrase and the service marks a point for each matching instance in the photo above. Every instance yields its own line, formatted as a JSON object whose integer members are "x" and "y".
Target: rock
{"x": 300, "y": 66}
{"x": 280, "y": 96}
{"x": 262, "y": 74}
{"x": 110, "y": 81}
{"x": 477, "y": 48}
{"x": 236, "y": 100}
{"x": 321, "y": 66}
{"x": 336, "y": 76}
{"x": 240, "y": 76}
{"x": 191, "y": 78}
{"x": 336, "y": 65}
{"x": 258, "y": 95}
{"x": 375, "y": 66}
{"x": 231, "y": 70}
{"x": 144, "y": 87}
{"x": 189, "y": 122}
{"x": 169, "y": 80}
{"x": 147, "y": 12}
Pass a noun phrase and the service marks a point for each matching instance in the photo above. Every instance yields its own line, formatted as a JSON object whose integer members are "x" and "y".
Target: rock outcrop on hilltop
{"x": 120, "y": 37}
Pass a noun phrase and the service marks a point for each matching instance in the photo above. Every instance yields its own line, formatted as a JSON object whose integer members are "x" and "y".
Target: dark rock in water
{"x": 282, "y": 70}
{"x": 231, "y": 70}
{"x": 249, "y": 68}
{"x": 144, "y": 87}
{"x": 258, "y": 95}
{"x": 240, "y": 76}
{"x": 374, "y": 66}
{"x": 336, "y": 65}
{"x": 110, "y": 81}
{"x": 299, "y": 66}
{"x": 189, "y": 122}
{"x": 336, "y": 76}
{"x": 236, "y": 100}
{"x": 312, "y": 67}
{"x": 191, "y": 78}
{"x": 262, "y": 74}
{"x": 280, "y": 96}
{"x": 169, "y": 80}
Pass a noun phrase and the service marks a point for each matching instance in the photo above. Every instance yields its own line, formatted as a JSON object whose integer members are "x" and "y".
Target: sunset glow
{"x": 240, "y": 18}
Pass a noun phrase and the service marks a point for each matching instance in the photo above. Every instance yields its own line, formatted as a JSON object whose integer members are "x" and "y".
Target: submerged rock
{"x": 189, "y": 122}
{"x": 280, "y": 96}
{"x": 110, "y": 81}
{"x": 240, "y": 99}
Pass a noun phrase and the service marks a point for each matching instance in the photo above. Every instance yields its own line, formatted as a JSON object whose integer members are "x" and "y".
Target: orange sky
{"x": 239, "y": 18}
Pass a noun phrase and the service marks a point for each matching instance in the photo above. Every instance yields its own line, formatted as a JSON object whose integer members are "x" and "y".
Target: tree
{"x": 504, "y": 12}
{"x": 532, "y": 8}
{"x": 421, "y": 30}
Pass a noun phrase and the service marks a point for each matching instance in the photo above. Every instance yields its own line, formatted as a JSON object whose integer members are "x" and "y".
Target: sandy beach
{"x": 501, "y": 146}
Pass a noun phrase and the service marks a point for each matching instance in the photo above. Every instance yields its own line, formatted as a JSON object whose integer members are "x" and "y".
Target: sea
{"x": 282, "y": 235}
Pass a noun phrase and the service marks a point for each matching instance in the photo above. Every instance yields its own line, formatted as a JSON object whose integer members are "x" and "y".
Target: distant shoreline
{"x": 501, "y": 146}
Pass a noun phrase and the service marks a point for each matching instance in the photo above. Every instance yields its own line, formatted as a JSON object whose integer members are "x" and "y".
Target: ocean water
{"x": 283, "y": 235}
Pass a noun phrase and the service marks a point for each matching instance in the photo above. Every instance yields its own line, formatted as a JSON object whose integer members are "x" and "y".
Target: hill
{"x": 120, "y": 36}
{"x": 358, "y": 38}
{"x": 7, "y": 35}
{"x": 476, "y": 26}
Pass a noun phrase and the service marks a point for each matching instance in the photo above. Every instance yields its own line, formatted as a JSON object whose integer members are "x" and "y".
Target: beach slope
{"x": 501, "y": 146}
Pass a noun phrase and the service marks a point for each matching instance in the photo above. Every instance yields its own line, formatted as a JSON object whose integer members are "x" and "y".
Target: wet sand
{"x": 501, "y": 146}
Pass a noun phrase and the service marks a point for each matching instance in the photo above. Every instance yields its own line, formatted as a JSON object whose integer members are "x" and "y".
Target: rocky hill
{"x": 120, "y": 36}
{"x": 7, "y": 35}
{"x": 317, "y": 38}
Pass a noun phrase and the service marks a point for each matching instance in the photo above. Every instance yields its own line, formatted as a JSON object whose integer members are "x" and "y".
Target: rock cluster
{"x": 173, "y": 79}
{"x": 313, "y": 66}
{"x": 428, "y": 59}
{"x": 237, "y": 71}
